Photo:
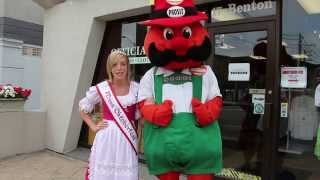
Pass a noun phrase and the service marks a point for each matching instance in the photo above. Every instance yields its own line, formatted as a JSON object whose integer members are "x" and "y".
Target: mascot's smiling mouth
{"x": 195, "y": 53}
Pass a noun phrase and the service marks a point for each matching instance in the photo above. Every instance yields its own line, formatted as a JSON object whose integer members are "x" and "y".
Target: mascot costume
{"x": 181, "y": 133}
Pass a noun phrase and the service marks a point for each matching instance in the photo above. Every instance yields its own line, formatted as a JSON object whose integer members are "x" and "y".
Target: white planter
{"x": 7, "y": 105}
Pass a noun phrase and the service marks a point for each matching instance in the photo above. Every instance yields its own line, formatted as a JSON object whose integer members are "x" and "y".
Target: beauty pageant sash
{"x": 118, "y": 113}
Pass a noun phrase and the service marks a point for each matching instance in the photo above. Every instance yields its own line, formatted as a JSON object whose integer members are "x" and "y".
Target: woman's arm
{"x": 86, "y": 105}
{"x": 88, "y": 120}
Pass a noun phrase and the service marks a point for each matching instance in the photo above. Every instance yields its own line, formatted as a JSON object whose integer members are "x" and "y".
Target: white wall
{"x": 32, "y": 80}
{"x": 1, "y": 8}
{"x": 72, "y": 42}
{"x": 24, "y": 10}
{"x": 15, "y": 68}
{"x": 20, "y": 70}
{"x": 11, "y": 62}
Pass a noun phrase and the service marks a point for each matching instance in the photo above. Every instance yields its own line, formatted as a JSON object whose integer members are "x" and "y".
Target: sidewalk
{"x": 43, "y": 165}
{"x": 48, "y": 165}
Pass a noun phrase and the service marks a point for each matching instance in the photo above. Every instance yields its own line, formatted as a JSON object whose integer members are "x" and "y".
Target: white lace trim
{"x": 113, "y": 169}
{"x": 87, "y": 103}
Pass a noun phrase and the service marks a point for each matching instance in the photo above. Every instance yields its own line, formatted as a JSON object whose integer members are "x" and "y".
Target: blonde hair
{"x": 112, "y": 59}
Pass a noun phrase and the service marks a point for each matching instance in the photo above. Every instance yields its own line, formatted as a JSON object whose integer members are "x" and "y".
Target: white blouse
{"x": 92, "y": 98}
{"x": 180, "y": 95}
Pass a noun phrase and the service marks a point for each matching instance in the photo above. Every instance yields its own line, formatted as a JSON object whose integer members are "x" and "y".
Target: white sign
{"x": 239, "y": 72}
{"x": 284, "y": 110}
{"x": 139, "y": 60}
{"x": 294, "y": 77}
{"x": 257, "y": 91}
{"x": 176, "y": 11}
{"x": 258, "y": 98}
{"x": 258, "y": 108}
{"x": 258, "y": 101}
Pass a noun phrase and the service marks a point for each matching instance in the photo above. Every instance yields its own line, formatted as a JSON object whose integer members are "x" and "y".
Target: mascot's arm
{"x": 207, "y": 112}
{"x": 158, "y": 114}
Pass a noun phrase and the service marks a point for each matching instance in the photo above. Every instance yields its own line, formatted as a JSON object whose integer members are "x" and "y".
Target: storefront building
{"x": 266, "y": 56}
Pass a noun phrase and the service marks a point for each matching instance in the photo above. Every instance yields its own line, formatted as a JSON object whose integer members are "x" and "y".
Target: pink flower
{"x": 26, "y": 92}
{"x": 17, "y": 89}
{"x": 10, "y": 91}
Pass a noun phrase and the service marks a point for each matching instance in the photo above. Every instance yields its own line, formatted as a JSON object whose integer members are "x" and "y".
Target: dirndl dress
{"x": 112, "y": 157}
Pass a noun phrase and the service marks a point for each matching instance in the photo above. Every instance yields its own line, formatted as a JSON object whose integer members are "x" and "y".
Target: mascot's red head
{"x": 176, "y": 39}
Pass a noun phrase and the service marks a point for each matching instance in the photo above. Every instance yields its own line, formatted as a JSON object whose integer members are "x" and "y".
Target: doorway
{"x": 246, "y": 66}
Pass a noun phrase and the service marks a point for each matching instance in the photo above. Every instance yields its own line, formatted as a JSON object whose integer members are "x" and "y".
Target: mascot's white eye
{"x": 168, "y": 33}
{"x": 187, "y": 32}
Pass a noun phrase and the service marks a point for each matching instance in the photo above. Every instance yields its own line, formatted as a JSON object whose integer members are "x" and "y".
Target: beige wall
{"x": 25, "y": 10}
{"x": 1, "y": 8}
{"x": 72, "y": 39}
{"x": 21, "y": 132}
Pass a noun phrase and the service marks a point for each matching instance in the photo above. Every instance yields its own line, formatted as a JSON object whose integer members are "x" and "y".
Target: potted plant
{"x": 12, "y": 98}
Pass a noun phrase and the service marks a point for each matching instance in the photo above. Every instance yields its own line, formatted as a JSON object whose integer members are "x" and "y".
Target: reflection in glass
{"x": 239, "y": 55}
{"x": 298, "y": 135}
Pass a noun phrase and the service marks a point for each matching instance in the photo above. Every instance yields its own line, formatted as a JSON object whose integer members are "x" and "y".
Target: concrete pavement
{"x": 44, "y": 165}
{"x": 48, "y": 165}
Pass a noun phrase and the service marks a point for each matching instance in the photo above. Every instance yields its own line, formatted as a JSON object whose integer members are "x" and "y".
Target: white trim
{"x": 13, "y": 43}
{"x": 31, "y": 45}
{"x": 167, "y": 72}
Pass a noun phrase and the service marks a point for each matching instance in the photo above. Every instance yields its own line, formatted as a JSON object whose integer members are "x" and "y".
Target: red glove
{"x": 208, "y": 112}
{"x": 158, "y": 114}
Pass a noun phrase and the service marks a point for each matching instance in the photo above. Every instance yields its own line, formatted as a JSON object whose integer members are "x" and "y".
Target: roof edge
{"x": 46, "y": 4}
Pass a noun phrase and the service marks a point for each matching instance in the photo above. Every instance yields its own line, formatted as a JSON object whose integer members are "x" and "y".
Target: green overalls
{"x": 182, "y": 146}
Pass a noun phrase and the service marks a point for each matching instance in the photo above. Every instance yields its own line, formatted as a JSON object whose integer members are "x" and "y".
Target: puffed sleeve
{"x": 317, "y": 96}
{"x": 146, "y": 88}
{"x": 87, "y": 103}
{"x": 213, "y": 85}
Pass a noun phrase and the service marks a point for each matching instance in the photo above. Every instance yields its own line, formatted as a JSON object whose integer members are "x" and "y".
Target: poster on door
{"x": 239, "y": 72}
{"x": 258, "y": 101}
{"x": 294, "y": 77}
{"x": 284, "y": 110}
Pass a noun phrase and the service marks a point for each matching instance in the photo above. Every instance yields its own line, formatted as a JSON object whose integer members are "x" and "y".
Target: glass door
{"x": 242, "y": 61}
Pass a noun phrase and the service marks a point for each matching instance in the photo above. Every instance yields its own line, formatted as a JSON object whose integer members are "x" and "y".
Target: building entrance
{"x": 245, "y": 65}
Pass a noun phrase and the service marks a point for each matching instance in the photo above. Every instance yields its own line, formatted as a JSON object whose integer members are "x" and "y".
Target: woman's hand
{"x": 100, "y": 125}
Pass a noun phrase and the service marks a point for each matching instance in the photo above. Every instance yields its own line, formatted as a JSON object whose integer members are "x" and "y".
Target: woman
{"x": 114, "y": 150}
